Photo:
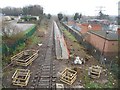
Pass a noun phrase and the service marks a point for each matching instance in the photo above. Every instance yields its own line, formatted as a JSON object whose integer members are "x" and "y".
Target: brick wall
{"x": 118, "y": 30}
{"x": 111, "y": 47}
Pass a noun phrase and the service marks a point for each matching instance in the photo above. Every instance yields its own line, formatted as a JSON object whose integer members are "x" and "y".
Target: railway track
{"x": 43, "y": 69}
{"x": 46, "y": 76}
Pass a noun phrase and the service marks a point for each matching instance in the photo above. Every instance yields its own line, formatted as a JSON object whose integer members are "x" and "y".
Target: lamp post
{"x": 102, "y": 52}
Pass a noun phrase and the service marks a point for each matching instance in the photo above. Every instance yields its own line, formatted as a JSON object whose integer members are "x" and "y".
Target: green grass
{"x": 35, "y": 39}
{"x": 89, "y": 83}
{"x": 20, "y": 47}
{"x": 92, "y": 85}
{"x": 6, "y": 59}
{"x": 69, "y": 35}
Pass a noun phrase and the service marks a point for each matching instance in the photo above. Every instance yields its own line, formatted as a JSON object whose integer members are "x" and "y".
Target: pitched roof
{"x": 86, "y": 27}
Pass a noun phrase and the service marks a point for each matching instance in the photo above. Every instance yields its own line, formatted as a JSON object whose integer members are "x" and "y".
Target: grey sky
{"x": 86, "y": 7}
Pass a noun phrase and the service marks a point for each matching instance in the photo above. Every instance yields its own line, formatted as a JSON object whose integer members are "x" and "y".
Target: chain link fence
{"x": 8, "y": 49}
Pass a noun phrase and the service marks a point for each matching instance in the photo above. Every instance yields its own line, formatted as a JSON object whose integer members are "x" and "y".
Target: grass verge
{"x": 69, "y": 35}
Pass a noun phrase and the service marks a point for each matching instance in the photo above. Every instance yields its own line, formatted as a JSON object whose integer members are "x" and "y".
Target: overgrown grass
{"x": 69, "y": 35}
{"x": 44, "y": 25}
{"x": 7, "y": 59}
{"x": 90, "y": 83}
{"x": 33, "y": 40}
{"x": 19, "y": 48}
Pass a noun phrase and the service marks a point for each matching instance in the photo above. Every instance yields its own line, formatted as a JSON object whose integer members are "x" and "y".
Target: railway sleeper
{"x": 45, "y": 76}
{"x": 45, "y": 73}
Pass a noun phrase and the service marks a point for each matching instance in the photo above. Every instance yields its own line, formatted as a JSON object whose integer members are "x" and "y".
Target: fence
{"x": 110, "y": 62}
{"x": 9, "y": 49}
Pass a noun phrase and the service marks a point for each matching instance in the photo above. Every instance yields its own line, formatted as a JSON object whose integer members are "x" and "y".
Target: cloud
{"x": 86, "y": 7}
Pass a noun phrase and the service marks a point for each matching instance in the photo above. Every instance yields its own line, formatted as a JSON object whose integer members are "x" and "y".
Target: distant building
{"x": 70, "y": 23}
{"x": 104, "y": 42}
{"x": 118, "y": 31}
{"x": 99, "y": 43}
{"x": 113, "y": 28}
{"x": 92, "y": 24}
{"x": 29, "y": 18}
{"x": 85, "y": 27}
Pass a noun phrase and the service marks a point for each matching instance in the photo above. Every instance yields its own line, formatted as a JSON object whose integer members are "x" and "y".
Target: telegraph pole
{"x": 102, "y": 52}
{"x": 100, "y": 9}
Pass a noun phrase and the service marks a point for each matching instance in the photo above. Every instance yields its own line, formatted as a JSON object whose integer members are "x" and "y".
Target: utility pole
{"x": 102, "y": 52}
{"x": 100, "y": 11}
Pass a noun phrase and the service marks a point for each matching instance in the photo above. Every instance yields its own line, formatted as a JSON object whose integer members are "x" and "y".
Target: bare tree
{"x": 12, "y": 11}
{"x": 35, "y": 10}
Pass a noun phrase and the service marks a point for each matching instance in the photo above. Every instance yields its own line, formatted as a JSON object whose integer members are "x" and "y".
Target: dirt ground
{"x": 106, "y": 79}
{"x": 83, "y": 80}
{"x": 42, "y": 36}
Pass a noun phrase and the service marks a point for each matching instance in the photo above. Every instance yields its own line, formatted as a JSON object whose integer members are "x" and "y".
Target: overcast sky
{"x": 86, "y": 7}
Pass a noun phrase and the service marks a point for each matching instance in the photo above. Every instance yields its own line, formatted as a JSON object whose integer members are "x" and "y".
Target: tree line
{"x": 77, "y": 16}
{"x": 35, "y": 10}
{"x": 65, "y": 18}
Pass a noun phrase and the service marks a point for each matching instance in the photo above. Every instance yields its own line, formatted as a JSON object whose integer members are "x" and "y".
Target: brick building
{"x": 85, "y": 27}
{"x": 106, "y": 43}
{"x": 118, "y": 31}
{"x": 95, "y": 39}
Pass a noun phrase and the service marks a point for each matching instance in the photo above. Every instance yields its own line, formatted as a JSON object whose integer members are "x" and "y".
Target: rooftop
{"x": 109, "y": 36}
{"x": 86, "y": 27}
